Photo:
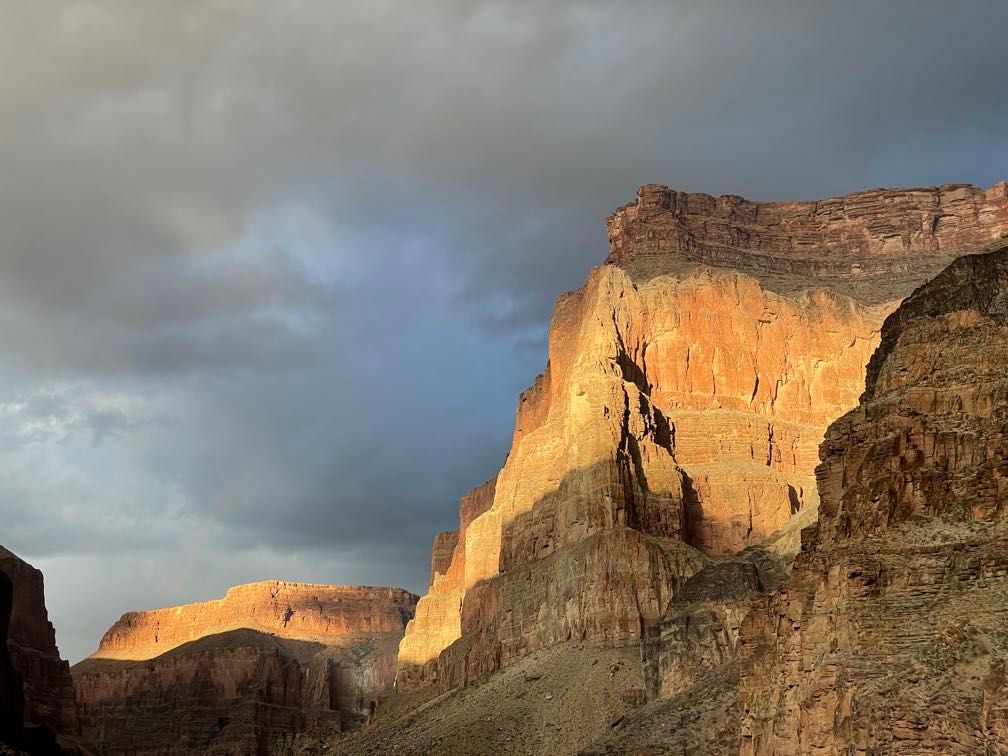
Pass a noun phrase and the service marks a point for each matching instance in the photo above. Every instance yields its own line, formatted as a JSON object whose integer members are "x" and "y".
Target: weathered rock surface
{"x": 698, "y": 632}
{"x": 688, "y": 387}
{"x": 890, "y": 636}
{"x": 255, "y": 672}
{"x": 869, "y": 244}
{"x": 48, "y": 687}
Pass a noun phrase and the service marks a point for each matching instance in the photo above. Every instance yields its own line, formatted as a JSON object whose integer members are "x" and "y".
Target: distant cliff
{"x": 269, "y": 663}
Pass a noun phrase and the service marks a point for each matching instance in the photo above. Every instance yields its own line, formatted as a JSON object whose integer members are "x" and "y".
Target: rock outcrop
{"x": 48, "y": 687}
{"x": 890, "y": 636}
{"x": 688, "y": 387}
{"x": 255, "y": 672}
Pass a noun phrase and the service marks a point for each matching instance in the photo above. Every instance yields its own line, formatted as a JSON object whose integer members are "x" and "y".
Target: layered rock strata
{"x": 48, "y": 687}
{"x": 688, "y": 387}
{"x": 890, "y": 636}
{"x": 253, "y": 672}
{"x": 864, "y": 242}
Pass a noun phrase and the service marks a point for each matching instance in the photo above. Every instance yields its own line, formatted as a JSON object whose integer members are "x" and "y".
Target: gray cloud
{"x": 272, "y": 274}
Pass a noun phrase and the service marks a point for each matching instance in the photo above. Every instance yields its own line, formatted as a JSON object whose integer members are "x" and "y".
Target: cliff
{"x": 890, "y": 636}
{"x": 255, "y": 671}
{"x": 688, "y": 387}
{"x": 31, "y": 643}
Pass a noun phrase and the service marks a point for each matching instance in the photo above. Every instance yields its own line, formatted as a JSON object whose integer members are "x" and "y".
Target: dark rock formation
{"x": 890, "y": 636}
{"x": 35, "y": 740}
{"x": 48, "y": 687}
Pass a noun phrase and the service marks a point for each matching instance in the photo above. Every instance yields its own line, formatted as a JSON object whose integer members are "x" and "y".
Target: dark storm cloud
{"x": 272, "y": 274}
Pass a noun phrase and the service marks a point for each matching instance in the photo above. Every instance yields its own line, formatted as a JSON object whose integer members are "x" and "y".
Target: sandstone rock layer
{"x": 255, "y": 672}
{"x": 890, "y": 636}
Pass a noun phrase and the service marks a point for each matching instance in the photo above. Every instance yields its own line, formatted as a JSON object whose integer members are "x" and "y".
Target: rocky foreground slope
{"x": 255, "y": 672}
{"x": 688, "y": 387}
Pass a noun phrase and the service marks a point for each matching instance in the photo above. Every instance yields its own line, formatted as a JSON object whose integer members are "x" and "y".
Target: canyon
{"x": 261, "y": 670}
{"x": 754, "y": 504}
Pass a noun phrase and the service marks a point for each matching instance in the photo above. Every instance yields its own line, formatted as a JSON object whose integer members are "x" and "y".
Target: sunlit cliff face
{"x": 323, "y": 613}
{"x": 690, "y": 403}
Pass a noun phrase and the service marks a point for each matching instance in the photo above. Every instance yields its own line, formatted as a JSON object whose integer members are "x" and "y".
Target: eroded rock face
{"x": 877, "y": 233}
{"x": 890, "y": 636}
{"x": 256, "y": 671}
{"x": 31, "y": 642}
{"x": 689, "y": 384}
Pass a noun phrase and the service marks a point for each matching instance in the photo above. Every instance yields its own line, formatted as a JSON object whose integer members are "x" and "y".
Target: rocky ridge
{"x": 259, "y": 670}
{"x": 688, "y": 387}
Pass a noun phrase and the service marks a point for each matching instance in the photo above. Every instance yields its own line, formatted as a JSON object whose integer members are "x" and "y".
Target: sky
{"x": 272, "y": 275}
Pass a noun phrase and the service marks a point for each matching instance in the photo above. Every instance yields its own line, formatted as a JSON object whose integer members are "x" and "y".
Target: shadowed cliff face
{"x": 31, "y": 642}
{"x": 249, "y": 673}
{"x": 241, "y": 691}
{"x": 688, "y": 387}
{"x": 890, "y": 636}
{"x": 11, "y": 691}
{"x": 37, "y": 740}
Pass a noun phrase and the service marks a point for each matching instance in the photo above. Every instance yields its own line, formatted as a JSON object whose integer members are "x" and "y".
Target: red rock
{"x": 866, "y": 232}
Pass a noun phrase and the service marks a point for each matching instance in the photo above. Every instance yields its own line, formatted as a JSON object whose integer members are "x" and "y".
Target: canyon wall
{"x": 254, "y": 672}
{"x": 890, "y": 636}
{"x": 31, "y": 643}
{"x": 688, "y": 387}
